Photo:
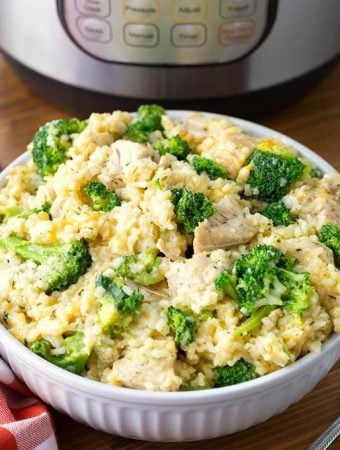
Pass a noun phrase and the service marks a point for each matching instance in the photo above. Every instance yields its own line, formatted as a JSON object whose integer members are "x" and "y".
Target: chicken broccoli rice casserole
{"x": 164, "y": 255}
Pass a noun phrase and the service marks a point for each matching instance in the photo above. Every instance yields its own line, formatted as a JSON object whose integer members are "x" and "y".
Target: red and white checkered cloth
{"x": 25, "y": 423}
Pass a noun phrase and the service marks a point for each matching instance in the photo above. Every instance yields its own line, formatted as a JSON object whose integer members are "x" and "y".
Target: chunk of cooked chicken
{"x": 232, "y": 224}
{"x": 331, "y": 182}
{"x": 150, "y": 367}
{"x": 317, "y": 201}
{"x": 304, "y": 249}
{"x": 195, "y": 127}
{"x": 122, "y": 154}
{"x": 201, "y": 126}
{"x": 191, "y": 281}
{"x": 125, "y": 152}
{"x": 230, "y": 148}
{"x": 317, "y": 259}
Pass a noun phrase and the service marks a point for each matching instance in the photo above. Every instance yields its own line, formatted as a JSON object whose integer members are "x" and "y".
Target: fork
{"x": 327, "y": 437}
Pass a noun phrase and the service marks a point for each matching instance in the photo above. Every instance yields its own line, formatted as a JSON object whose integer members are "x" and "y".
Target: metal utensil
{"x": 327, "y": 437}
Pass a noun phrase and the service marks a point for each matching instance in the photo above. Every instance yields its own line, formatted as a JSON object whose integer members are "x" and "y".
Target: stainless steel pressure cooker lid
{"x": 172, "y": 32}
{"x": 236, "y": 56}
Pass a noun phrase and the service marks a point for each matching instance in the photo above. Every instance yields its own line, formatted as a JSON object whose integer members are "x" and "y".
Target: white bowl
{"x": 173, "y": 416}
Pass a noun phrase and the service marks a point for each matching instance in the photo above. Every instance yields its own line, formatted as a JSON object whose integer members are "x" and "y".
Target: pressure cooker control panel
{"x": 166, "y": 31}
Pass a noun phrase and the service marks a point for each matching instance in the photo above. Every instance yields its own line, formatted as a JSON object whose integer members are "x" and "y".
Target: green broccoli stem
{"x": 64, "y": 264}
{"x": 288, "y": 275}
{"x": 27, "y": 250}
{"x": 255, "y": 319}
{"x": 19, "y": 212}
{"x": 10, "y": 211}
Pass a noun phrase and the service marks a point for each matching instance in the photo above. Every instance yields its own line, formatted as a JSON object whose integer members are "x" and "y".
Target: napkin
{"x": 25, "y": 423}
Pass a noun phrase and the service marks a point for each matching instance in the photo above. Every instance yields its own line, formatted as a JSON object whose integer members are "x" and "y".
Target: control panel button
{"x": 141, "y": 35}
{"x": 140, "y": 10}
{"x": 236, "y": 32}
{"x": 94, "y": 29}
{"x": 188, "y": 35}
{"x": 189, "y": 10}
{"x": 98, "y": 8}
{"x": 233, "y": 9}
{"x": 167, "y": 32}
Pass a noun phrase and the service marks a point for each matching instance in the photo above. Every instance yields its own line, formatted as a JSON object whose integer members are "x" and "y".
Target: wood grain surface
{"x": 314, "y": 121}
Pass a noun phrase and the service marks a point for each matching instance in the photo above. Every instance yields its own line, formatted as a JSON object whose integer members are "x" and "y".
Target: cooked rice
{"x": 145, "y": 356}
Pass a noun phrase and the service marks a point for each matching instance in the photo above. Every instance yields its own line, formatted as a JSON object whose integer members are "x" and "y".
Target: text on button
{"x": 189, "y": 9}
{"x": 140, "y": 9}
{"x": 188, "y": 35}
{"x": 236, "y": 32}
{"x": 141, "y": 35}
{"x": 94, "y": 29}
{"x": 99, "y": 8}
{"x": 237, "y": 8}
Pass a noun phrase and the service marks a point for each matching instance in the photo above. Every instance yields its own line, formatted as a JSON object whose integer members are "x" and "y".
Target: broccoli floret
{"x": 264, "y": 277}
{"x": 151, "y": 116}
{"x": 101, "y": 198}
{"x": 297, "y": 299}
{"x": 182, "y": 325}
{"x": 144, "y": 268}
{"x": 136, "y": 132}
{"x": 149, "y": 119}
{"x": 239, "y": 372}
{"x": 212, "y": 168}
{"x": 51, "y": 143}
{"x": 17, "y": 211}
{"x": 329, "y": 235}
{"x": 226, "y": 283}
{"x": 63, "y": 264}
{"x": 45, "y": 207}
{"x": 175, "y": 145}
{"x": 191, "y": 208}
{"x": 315, "y": 173}
{"x": 278, "y": 213}
{"x": 74, "y": 357}
{"x": 204, "y": 315}
{"x": 118, "y": 306}
{"x": 256, "y": 273}
{"x": 273, "y": 174}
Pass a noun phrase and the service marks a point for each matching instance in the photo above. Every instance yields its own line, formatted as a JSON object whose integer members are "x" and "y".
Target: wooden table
{"x": 314, "y": 121}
